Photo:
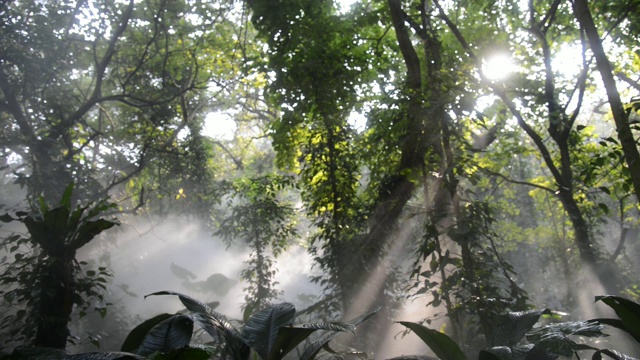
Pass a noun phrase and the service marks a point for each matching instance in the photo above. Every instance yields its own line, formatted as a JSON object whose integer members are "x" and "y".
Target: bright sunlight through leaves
{"x": 498, "y": 67}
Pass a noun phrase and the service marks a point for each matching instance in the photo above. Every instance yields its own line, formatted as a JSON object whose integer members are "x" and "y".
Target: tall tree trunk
{"x": 631, "y": 154}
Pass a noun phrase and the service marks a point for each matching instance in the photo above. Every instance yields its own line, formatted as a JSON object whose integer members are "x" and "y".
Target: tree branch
{"x": 506, "y": 99}
{"x": 409, "y": 54}
{"x": 519, "y": 182}
{"x": 627, "y": 141}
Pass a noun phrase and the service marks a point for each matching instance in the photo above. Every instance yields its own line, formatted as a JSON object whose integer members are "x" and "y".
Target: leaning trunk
{"x": 590, "y": 253}
{"x": 627, "y": 141}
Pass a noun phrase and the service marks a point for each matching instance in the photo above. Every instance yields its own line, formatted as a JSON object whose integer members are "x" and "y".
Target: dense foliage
{"x": 474, "y": 157}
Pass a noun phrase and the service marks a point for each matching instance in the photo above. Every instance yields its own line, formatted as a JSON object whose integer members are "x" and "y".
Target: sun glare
{"x": 345, "y": 5}
{"x": 498, "y": 67}
{"x": 219, "y": 125}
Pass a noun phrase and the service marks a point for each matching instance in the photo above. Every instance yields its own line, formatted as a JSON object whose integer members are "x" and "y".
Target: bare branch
{"x": 519, "y": 182}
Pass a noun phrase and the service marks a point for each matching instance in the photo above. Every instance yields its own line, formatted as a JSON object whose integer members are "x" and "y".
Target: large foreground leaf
{"x": 627, "y": 310}
{"x": 137, "y": 335}
{"x": 214, "y": 324}
{"x": 439, "y": 343}
{"x": 172, "y": 333}
{"x": 312, "y": 350}
{"x": 261, "y": 331}
{"x": 556, "y": 337}
{"x": 512, "y": 327}
{"x": 41, "y": 353}
{"x": 290, "y": 336}
{"x": 612, "y": 354}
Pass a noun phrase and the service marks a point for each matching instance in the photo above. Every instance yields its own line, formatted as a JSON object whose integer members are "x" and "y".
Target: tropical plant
{"x": 259, "y": 219}
{"x": 515, "y": 336}
{"x": 45, "y": 281}
{"x": 474, "y": 287}
{"x": 269, "y": 333}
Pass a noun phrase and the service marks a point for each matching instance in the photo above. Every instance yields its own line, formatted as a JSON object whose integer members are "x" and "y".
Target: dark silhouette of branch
{"x": 519, "y": 182}
{"x": 628, "y": 80}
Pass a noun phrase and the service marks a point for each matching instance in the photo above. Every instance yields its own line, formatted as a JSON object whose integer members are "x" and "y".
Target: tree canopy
{"x": 475, "y": 155}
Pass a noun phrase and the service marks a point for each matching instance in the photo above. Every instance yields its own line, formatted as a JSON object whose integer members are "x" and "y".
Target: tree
{"x": 559, "y": 159}
{"x": 620, "y": 115}
{"x": 48, "y": 281}
{"x": 113, "y": 103}
{"x": 264, "y": 223}
{"x": 324, "y": 65}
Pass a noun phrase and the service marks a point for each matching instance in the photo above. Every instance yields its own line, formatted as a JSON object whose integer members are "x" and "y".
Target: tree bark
{"x": 591, "y": 255}
{"x": 629, "y": 148}
{"x": 55, "y": 303}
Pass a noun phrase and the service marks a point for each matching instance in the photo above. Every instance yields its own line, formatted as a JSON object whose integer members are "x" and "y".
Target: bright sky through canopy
{"x": 345, "y": 5}
{"x": 498, "y": 66}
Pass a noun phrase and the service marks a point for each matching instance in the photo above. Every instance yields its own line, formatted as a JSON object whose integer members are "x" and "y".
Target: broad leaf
{"x": 172, "y": 333}
{"x": 137, "y": 335}
{"x": 612, "y": 354}
{"x": 290, "y": 336}
{"x": 261, "y": 331}
{"x": 540, "y": 353}
{"x": 214, "y": 324}
{"x": 35, "y": 352}
{"x": 312, "y": 350}
{"x": 627, "y": 310}
{"x": 439, "y": 343}
{"x": 89, "y": 230}
{"x": 495, "y": 353}
{"x": 65, "y": 201}
{"x": 555, "y": 337}
{"x": 512, "y": 327}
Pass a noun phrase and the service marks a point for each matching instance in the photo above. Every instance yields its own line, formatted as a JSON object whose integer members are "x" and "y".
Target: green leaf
{"x": 616, "y": 323}
{"x": 312, "y": 350}
{"x": 65, "y": 201}
{"x": 512, "y": 327}
{"x": 172, "y": 333}
{"x": 290, "y": 336}
{"x": 90, "y": 230}
{"x": 604, "y": 208}
{"x": 136, "y": 336}
{"x": 439, "y": 343}
{"x": 605, "y": 190}
{"x": 214, "y": 324}
{"x": 611, "y": 353}
{"x": 627, "y": 310}
{"x": 556, "y": 337}
{"x": 261, "y": 331}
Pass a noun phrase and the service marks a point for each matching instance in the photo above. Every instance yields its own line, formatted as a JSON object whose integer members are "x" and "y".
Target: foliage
{"x": 470, "y": 304}
{"x": 118, "y": 103}
{"x": 270, "y": 333}
{"x": 387, "y": 119}
{"x": 45, "y": 280}
{"x": 543, "y": 342}
{"x": 264, "y": 223}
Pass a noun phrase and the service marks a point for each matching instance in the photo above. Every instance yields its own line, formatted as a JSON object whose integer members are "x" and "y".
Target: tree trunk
{"x": 590, "y": 253}
{"x": 56, "y": 303}
{"x": 631, "y": 154}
